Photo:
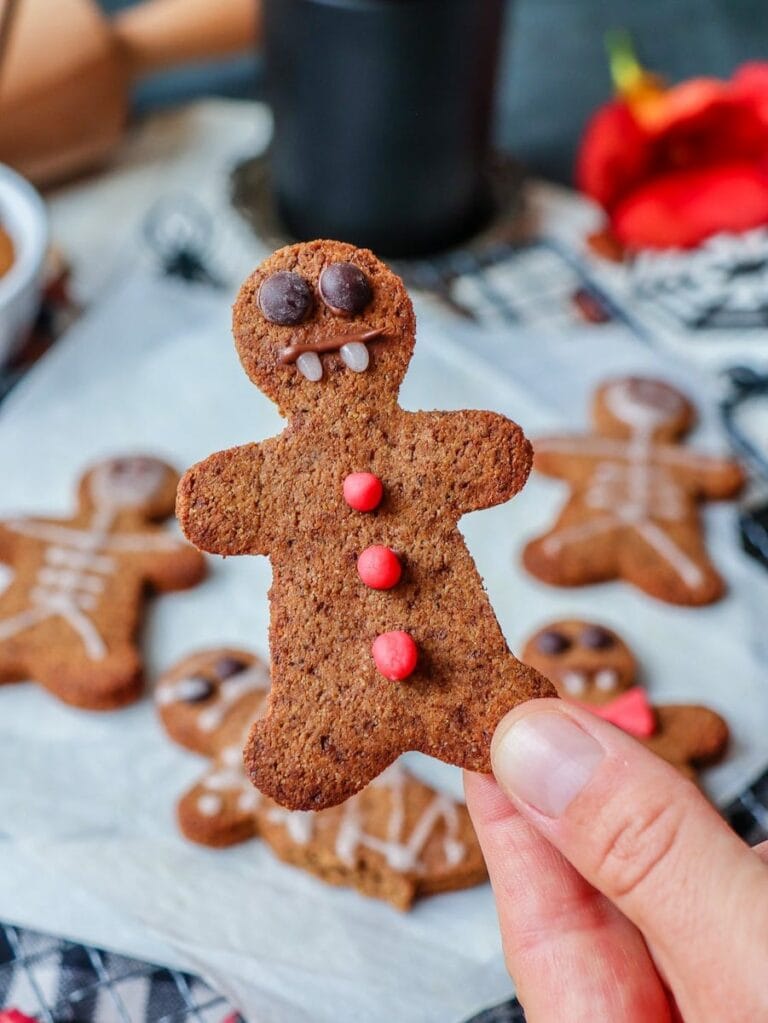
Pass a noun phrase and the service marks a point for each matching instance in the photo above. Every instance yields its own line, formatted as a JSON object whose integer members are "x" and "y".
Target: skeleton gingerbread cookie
{"x": 396, "y": 840}
{"x": 592, "y": 666}
{"x": 632, "y": 513}
{"x": 70, "y": 615}
{"x": 382, "y": 637}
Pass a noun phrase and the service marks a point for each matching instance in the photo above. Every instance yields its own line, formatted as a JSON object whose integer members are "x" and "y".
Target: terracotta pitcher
{"x": 66, "y": 70}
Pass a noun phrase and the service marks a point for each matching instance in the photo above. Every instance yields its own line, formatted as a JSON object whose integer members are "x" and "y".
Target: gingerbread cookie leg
{"x": 460, "y": 730}
{"x": 578, "y": 550}
{"x": 668, "y": 561}
{"x": 285, "y": 751}
{"x": 107, "y": 684}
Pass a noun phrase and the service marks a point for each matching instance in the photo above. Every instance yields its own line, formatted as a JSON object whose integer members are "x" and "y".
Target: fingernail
{"x": 545, "y": 759}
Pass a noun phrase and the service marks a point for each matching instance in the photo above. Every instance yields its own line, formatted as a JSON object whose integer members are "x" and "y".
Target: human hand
{"x": 622, "y": 895}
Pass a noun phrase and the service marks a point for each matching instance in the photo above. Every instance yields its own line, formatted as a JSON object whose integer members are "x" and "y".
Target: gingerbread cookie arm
{"x": 715, "y": 478}
{"x": 489, "y": 456}
{"x": 218, "y": 818}
{"x": 176, "y": 567}
{"x": 220, "y": 501}
{"x": 571, "y": 457}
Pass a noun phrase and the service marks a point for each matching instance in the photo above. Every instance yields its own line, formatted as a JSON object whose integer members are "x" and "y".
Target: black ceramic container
{"x": 383, "y": 114}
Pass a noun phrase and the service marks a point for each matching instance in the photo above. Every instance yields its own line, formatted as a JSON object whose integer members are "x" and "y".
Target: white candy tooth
{"x": 355, "y": 356}
{"x": 309, "y": 365}
{"x": 606, "y": 679}
{"x": 574, "y": 682}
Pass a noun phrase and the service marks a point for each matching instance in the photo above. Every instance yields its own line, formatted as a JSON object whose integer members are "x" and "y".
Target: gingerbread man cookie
{"x": 382, "y": 637}
{"x": 591, "y": 665}
{"x": 70, "y": 615}
{"x": 396, "y": 840}
{"x": 633, "y": 511}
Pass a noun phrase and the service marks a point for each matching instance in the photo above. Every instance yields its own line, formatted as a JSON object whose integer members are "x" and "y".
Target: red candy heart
{"x": 395, "y": 654}
{"x": 363, "y": 491}
{"x": 379, "y": 568}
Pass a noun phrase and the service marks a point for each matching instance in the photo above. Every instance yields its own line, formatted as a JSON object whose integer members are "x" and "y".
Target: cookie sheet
{"x": 87, "y": 801}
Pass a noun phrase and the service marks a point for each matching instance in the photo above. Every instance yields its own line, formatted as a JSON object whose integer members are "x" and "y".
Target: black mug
{"x": 383, "y": 113}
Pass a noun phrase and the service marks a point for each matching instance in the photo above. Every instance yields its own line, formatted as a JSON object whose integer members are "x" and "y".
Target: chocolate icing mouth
{"x": 333, "y": 344}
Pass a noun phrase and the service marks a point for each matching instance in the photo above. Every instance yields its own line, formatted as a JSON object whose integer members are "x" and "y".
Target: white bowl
{"x": 23, "y": 216}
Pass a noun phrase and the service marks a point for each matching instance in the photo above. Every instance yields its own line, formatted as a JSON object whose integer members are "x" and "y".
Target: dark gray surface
{"x": 554, "y": 69}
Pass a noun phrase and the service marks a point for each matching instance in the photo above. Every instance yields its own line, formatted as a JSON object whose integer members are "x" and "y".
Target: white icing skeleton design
{"x": 632, "y": 479}
{"x": 402, "y": 851}
{"x": 84, "y": 572}
{"x": 209, "y": 701}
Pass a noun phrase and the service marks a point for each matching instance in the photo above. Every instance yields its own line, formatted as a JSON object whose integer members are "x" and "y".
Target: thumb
{"x": 646, "y": 837}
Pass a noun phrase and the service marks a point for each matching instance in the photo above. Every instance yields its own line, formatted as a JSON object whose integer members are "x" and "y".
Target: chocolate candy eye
{"x": 226, "y": 667}
{"x": 553, "y": 642}
{"x": 595, "y": 637}
{"x": 345, "y": 289}
{"x": 285, "y": 298}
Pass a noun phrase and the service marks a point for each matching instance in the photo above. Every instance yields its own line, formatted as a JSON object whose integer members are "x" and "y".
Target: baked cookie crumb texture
{"x": 396, "y": 840}
{"x": 592, "y": 666}
{"x": 382, "y": 637}
{"x": 70, "y": 615}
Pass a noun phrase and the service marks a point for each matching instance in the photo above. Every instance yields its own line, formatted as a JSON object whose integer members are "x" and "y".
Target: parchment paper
{"x": 87, "y": 801}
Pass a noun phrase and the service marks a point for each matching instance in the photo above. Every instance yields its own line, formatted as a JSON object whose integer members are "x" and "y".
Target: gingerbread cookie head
{"x": 591, "y": 665}
{"x": 203, "y": 693}
{"x": 633, "y": 407}
{"x": 324, "y": 321}
{"x": 587, "y": 662}
{"x": 132, "y": 486}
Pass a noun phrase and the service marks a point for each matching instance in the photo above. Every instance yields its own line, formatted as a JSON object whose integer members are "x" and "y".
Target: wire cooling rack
{"x": 57, "y": 981}
{"x": 540, "y": 284}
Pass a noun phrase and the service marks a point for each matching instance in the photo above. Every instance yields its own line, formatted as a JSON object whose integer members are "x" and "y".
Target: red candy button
{"x": 14, "y": 1016}
{"x": 395, "y": 654}
{"x": 379, "y": 568}
{"x": 363, "y": 491}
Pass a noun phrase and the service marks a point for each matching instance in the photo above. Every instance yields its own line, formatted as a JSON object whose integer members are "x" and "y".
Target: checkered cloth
{"x": 56, "y": 981}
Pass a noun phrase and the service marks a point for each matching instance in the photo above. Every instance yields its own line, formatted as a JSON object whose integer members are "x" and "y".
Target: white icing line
{"x": 230, "y": 691}
{"x": 209, "y": 804}
{"x": 183, "y": 690}
{"x": 75, "y": 568}
{"x": 664, "y": 545}
{"x": 556, "y": 541}
{"x": 299, "y": 824}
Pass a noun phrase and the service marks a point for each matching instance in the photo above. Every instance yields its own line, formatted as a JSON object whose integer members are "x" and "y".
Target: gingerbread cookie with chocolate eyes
{"x": 70, "y": 616}
{"x": 397, "y": 840}
{"x": 633, "y": 509}
{"x": 592, "y": 666}
{"x": 382, "y": 637}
